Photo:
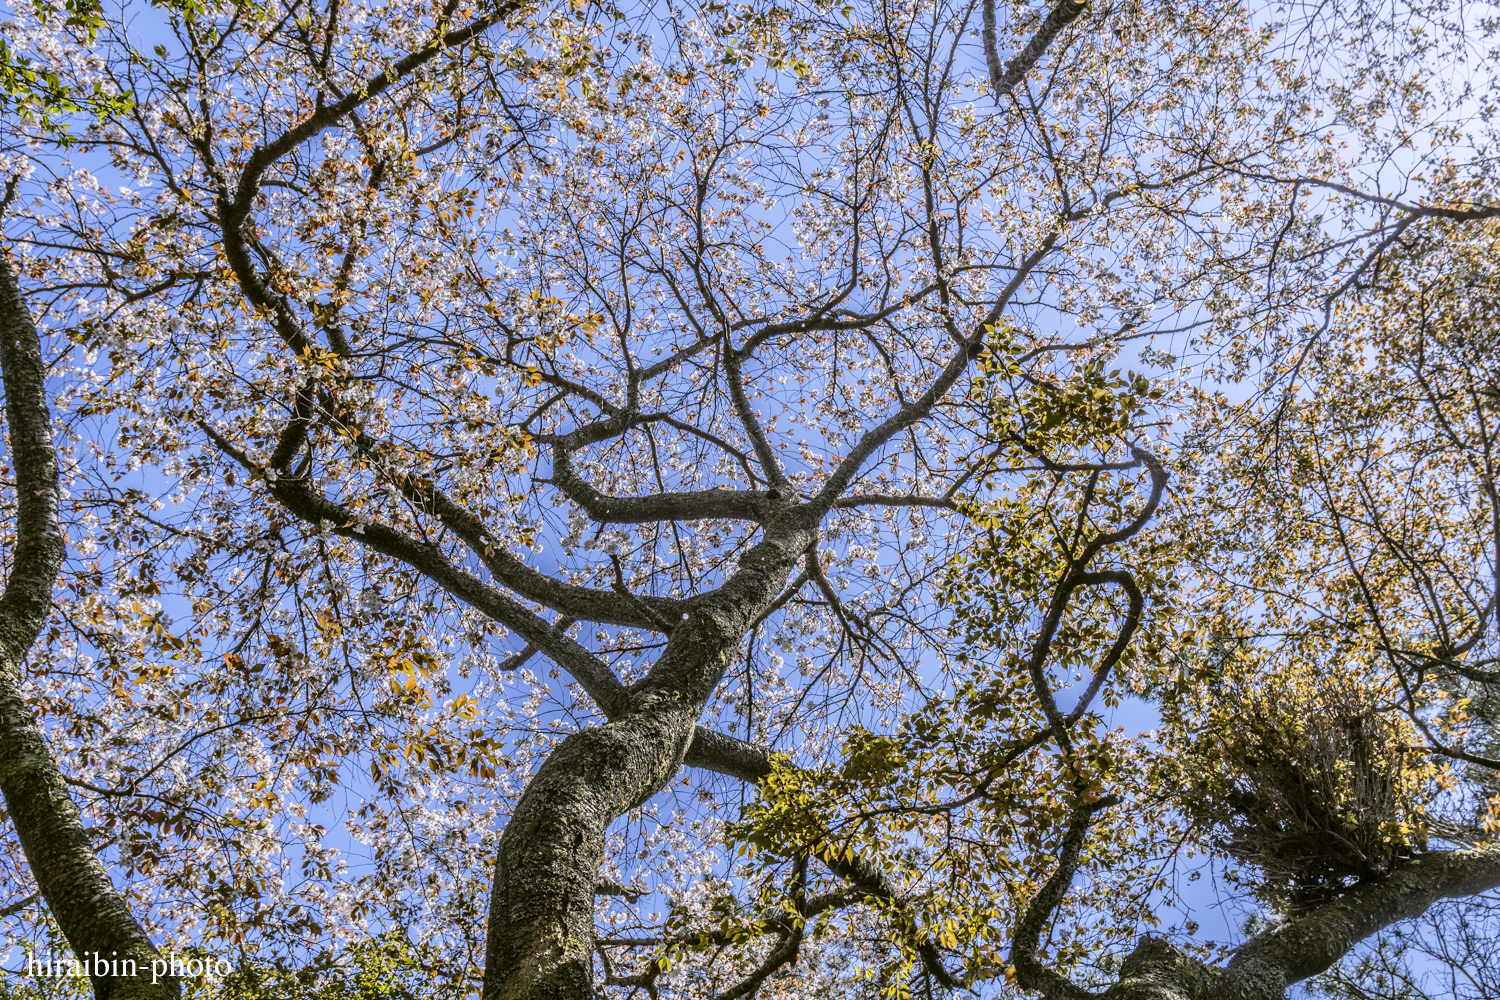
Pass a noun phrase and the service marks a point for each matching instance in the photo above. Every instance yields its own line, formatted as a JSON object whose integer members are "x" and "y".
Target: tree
{"x": 656, "y": 342}
{"x": 33, "y": 90}
{"x": 91, "y": 914}
{"x": 1361, "y": 535}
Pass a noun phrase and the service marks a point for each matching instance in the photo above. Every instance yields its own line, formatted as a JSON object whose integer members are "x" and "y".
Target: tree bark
{"x": 541, "y": 927}
{"x": 77, "y": 889}
{"x": 1267, "y": 965}
{"x": 1311, "y": 943}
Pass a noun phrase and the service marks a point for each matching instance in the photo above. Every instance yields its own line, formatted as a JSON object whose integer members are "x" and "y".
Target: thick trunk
{"x": 541, "y": 928}
{"x": 79, "y": 893}
{"x": 541, "y": 937}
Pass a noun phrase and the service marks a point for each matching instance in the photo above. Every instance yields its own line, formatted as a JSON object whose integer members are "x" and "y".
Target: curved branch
{"x": 1031, "y": 973}
{"x": 1126, "y": 581}
{"x": 690, "y": 505}
{"x": 1078, "y": 576}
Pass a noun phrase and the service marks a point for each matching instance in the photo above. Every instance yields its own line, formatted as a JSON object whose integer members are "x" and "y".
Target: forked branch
{"x": 1003, "y": 79}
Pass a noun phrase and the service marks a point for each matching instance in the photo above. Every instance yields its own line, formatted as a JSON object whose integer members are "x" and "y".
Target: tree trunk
{"x": 78, "y": 890}
{"x": 541, "y": 936}
{"x": 541, "y": 927}
{"x": 92, "y": 915}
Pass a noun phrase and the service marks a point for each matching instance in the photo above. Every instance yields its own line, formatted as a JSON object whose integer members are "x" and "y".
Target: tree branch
{"x": 689, "y": 505}
{"x": 659, "y": 623}
{"x": 12, "y": 909}
{"x": 298, "y": 497}
{"x": 734, "y": 758}
{"x": 1309, "y": 944}
{"x": 1030, "y": 972}
{"x": 1003, "y": 81}
{"x": 890, "y": 500}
